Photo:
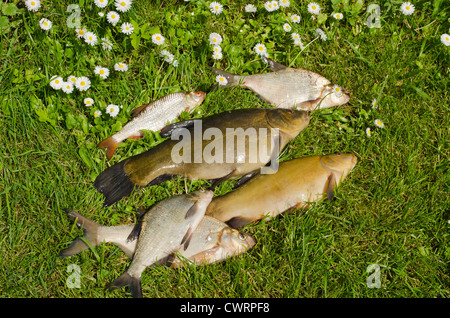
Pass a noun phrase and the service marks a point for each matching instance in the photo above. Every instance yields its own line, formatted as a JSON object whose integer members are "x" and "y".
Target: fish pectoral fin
{"x": 187, "y": 238}
{"x": 202, "y": 257}
{"x": 274, "y": 66}
{"x": 238, "y": 221}
{"x": 309, "y": 104}
{"x": 218, "y": 181}
{"x": 330, "y": 187}
{"x": 110, "y": 144}
{"x": 245, "y": 178}
{"x": 135, "y": 231}
{"x": 127, "y": 280}
{"x": 169, "y": 129}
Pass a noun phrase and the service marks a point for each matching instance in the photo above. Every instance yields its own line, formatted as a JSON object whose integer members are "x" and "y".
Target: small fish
{"x": 211, "y": 242}
{"x": 287, "y": 87}
{"x": 154, "y": 117}
{"x": 166, "y": 227}
{"x": 157, "y": 165}
{"x": 296, "y": 184}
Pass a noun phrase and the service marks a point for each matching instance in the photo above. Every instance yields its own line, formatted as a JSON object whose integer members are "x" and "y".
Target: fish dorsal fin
{"x": 169, "y": 129}
{"x": 138, "y": 110}
{"x": 192, "y": 210}
{"x": 275, "y": 66}
{"x": 330, "y": 187}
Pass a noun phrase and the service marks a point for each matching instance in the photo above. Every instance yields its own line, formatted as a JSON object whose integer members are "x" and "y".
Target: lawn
{"x": 390, "y": 214}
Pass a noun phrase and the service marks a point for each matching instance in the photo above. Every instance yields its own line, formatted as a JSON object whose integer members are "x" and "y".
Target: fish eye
{"x": 338, "y": 154}
{"x": 197, "y": 93}
{"x": 241, "y": 236}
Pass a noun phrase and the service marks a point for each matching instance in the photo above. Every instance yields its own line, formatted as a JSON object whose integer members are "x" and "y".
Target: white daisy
{"x": 338, "y": 16}
{"x": 101, "y": 3}
{"x": 215, "y": 38}
{"x": 337, "y": 90}
{"x": 112, "y": 110}
{"x": 167, "y": 56}
{"x": 445, "y": 38}
{"x": 97, "y": 113}
{"x": 121, "y": 67}
{"x": 158, "y": 39}
{"x": 250, "y": 8}
{"x": 374, "y": 103}
{"x": 379, "y": 123}
{"x": 103, "y": 72}
{"x": 113, "y": 17}
{"x": 275, "y": 5}
{"x": 295, "y": 36}
{"x": 175, "y": 63}
{"x": 217, "y": 48}
{"x": 322, "y": 34}
{"x": 72, "y": 79}
{"x": 295, "y": 18}
{"x": 260, "y": 49}
{"x": 221, "y": 80}
{"x": 216, "y": 8}
{"x": 45, "y": 24}
{"x": 217, "y": 55}
{"x": 284, "y": 3}
{"x": 56, "y": 82}
{"x": 67, "y": 87}
{"x": 83, "y": 83}
{"x": 123, "y": 5}
{"x": 90, "y": 38}
{"x": 127, "y": 28}
{"x": 407, "y": 8}
{"x": 313, "y": 8}
{"x": 287, "y": 27}
{"x": 101, "y": 14}
{"x": 368, "y": 132}
{"x": 80, "y": 33}
{"x": 88, "y": 101}
{"x": 269, "y": 6}
{"x": 33, "y": 5}
{"x": 106, "y": 44}
{"x": 299, "y": 43}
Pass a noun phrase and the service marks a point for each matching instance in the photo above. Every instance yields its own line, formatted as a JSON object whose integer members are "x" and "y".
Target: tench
{"x": 154, "y": 117}
{"x": 166, "y": 227}
{"x": 296, "y": 184}
{"x": 287, "y": 87}
{"x": 225, "y": 145}
{"x": 211, "y": 242}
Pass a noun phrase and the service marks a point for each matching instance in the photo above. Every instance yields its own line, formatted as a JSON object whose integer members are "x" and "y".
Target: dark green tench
{"x": 225, "y": 145}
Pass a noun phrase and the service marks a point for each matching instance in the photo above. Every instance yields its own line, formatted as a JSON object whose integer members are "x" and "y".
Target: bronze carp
{"x": 153, "y": 116}
{"x": 296, "y": 184}
{"x": 212, "y": 241}
{"x": 207, "y": 150}
{"x": 287, "y": 87}
{"x": 166, "y": 227}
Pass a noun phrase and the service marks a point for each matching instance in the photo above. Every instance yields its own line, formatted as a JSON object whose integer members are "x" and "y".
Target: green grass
{"x": 392, "y": 210}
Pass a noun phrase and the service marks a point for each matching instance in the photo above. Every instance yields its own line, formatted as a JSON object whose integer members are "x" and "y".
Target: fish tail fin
{"x": 114, "y": 183}
{"x": 110, "y": 144}
{"x": 127, "y": 280}
{"x": 232, "y": 79}
{"x": 88, "y": 240}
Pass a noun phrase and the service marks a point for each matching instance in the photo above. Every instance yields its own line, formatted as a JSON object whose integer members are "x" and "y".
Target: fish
{"x": 229, "y": 160}
{"x": 166, "y": 227}
{"x": 153, "y": 116}
{"x": 212, "y": 241}
{"x": 297, "y": 184}
{"x": 287, "y": 87}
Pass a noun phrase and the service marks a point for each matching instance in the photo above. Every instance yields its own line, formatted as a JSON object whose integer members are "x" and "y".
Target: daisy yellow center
{"x": 221, "y": 79}
{"x": 261, "y": 48}
{"x": 88, "y": 102}
{"x": 121, "y": 65}
{"x": 314, "y": 7}
{"x": 96, "y": 115}
{"x": 447, "y": 38}
{"x": 81, "y": 32}
{"x": 33, "y": 3}
{"x": 338, "y": 15}
{"x": 68, "y": 86}
{"x": 337, "y": 89}
{"x": 90, "y": 38}
{"x": 123, "y": 4}
{"x": 73, "y": 80}
{"x": 82, "y": 83}
{"x": 113, "y": 16}
{"x": 216, "y": 7}
{"x": 56, "y": 81}
{"x": 102, "y": 72}
{"x": 45, "y": 23}
{"x": 407, "y": 8}
{"x": 127, "y": 28}
{"x": 158, "y": 38}
{"x": 111, "y": 109}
